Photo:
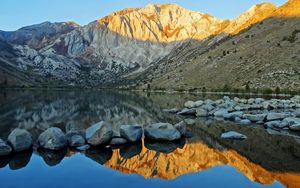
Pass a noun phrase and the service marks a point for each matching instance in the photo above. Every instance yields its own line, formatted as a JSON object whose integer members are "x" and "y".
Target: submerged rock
{"x": 20, "y": 160}
{"x": 132, "y": 133}
{"x": 53, "y": 158}
{"x": 233, "y": 135}
{"x": 53, "y": 139}
{"x": 83, "y": 148}
{"x": 20, "y": 140}
{"x": 162, "y": 131}
{"x": 99, "y": 133}
{"x": 5, "y": 149}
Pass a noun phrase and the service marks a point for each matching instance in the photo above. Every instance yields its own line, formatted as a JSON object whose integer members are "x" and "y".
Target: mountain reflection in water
{"x": 263, "y": 158}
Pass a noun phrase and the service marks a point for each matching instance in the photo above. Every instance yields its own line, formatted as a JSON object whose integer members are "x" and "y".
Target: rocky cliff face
{"x": 120, "y": 47}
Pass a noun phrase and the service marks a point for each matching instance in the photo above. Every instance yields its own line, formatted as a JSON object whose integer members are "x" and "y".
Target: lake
{"x": 265, "y": 159}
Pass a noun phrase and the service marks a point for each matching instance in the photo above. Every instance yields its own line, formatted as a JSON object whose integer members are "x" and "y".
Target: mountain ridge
{"x": 129, "y": 42}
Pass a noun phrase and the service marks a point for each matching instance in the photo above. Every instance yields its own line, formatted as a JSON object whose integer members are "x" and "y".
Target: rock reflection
{"x": 164, "y": 146}
{"x": 130, "y": 150}
{"x": 20, "y": 160}
{"x": 99, "y": 155}
{"x": 52, "y": 158}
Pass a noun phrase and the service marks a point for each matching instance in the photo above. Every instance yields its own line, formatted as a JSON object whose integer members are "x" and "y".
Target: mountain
{"x": 261, "y": 57}
{"x": 132, "y": 46}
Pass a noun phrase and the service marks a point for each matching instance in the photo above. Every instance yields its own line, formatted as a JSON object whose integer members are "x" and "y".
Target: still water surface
{"x": 263, "y": 160}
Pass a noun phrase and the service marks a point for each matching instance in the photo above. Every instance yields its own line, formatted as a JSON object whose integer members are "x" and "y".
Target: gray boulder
{"x": 172, "y": 111}
{"x": 5, "y": 149}
{"x": 255, "y": 117}
{"x": 292, "y": 120}
{"x": 233, "y": 135}
{"x": 200, "y": 112}
{"x": 53, "y": 139}
{"x": 220, "y": 113}
{"x": 76, "y": 140}
{"x": 132, "y": 133}
{"x": 297, "y": 113}
{"x": 20, "y": 140}
{"x": 275, "y": 116}
{"x": 276, "y": 124}
{"x": 99, "y": 133}
{"x": 162, "y": 131}
{"x": 192, "y": 104}
{"x": 245, "y": 121}
{"x": 295, "y": 127}
{"x": 233, "y": 115}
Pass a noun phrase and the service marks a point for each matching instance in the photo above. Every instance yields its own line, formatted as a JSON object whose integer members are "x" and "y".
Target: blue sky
{"x": 17, "y": 13}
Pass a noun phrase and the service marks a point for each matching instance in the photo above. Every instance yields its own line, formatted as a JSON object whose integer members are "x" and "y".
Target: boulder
{"x": 192, "y": 104}
{"x": 132, "y": 133}
{"x": 5, "y": 149}
{"x": 209, "y": 107}
{"x": 233, "y": 115}
{"x": 275, "y": 116}
{"x": 220, "y": 113}
{"x": 172, "y": 111}
{"x": 162, "y": 131}
{"x": 53, "y": 139}
{"x": 297, "y": 113}
{"x": 200, "y": 112}
{"x": 295, "y": 127}
{"x": 99, "y": 133}
{"x": 255, "y": 117}
{"x": 83, "y": 148}
{"x": 118, "y": 141}
{"x": 233, "y": 135}
{"x": 187, "y": 111}
{"x": 189, "y": 121}
{"x": 245, "y": 121}
{"x": 76, "y": 140}
{"x": 181, "y": 127}
{"x": 292, "y": 120}
{"x": 20, "y": 140}
{"x": 276, "y": 124}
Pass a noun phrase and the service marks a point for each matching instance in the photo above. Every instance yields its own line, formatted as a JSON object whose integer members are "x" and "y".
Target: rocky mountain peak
{"x": 253, "y": 15}
{"x": 289, "y": 9}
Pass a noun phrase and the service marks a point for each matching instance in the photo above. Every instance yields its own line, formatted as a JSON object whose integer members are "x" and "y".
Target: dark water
{"x": 265, "y": 159}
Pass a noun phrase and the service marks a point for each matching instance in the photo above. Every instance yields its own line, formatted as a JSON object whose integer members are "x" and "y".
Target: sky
{"x": 18, "y": 13}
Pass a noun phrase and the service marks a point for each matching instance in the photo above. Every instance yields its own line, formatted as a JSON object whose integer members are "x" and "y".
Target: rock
{"x": 295, "y": 127}
{"x": 190, "y": 121}
{"x": 99, "y": 133}
{"x": 76, "y": 141}
{"x": 187, "y": 111}
{"x": 292, "y": 120}
{"x": 200, "y": 112}
{"x": 132, "y": 133}
{"x": 53, "y": 139}
{"x": 83, "y": 148}
{"x": 231, "y": 116}
{"x": 172, "y": 111}
{"x": 275, "y": 116}
{"x": 233, "y": 135}
{"x": 192, "y": 104}
{"x": 181, "y": 127}
{"x": 297, "y": 113}
{"x": 209, "y": 107}
{"x": 276, "y": 124}
{"x": 20, "y": 140}
{"x": 259, "y": 100}
{"x": 245, "y": 121}
{"x": 117, "y": 141}
{"x": 266, "y": 105}
{"x": 5, "y": 149}
{"x": 255, "y": 117}
{"x": 220, "y": 113}
{"x": 296, "y": 99}
{"x": 162, "y": 131}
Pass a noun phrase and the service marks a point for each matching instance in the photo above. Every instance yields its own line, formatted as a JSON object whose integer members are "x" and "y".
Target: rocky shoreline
{"x": 277, "y": 114}
{"x": 99, "y": 134}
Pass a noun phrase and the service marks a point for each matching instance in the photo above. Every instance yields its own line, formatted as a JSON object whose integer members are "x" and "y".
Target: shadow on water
{"x": 262, "y": 158}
